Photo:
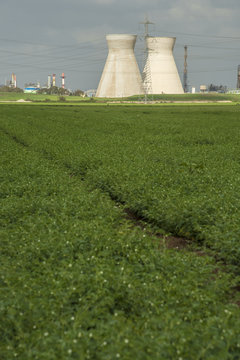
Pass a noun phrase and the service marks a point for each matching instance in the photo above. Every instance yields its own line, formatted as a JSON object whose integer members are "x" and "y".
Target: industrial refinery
{"x": 33, "y": 88}
{"x": 13, "y": 82}
{"x": 121, "y": 76}
{"x": 52, "y": 81}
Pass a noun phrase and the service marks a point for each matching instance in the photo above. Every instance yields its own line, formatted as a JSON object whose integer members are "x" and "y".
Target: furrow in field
{"x": 177, "y": 167}
{"x": 75, "y": 276}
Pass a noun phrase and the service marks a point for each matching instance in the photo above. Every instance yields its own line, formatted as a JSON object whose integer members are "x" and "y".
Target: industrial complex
{"x": 12, "y": 83}
{"x": 121, "y": 76}
{"x": 51, "y": 82}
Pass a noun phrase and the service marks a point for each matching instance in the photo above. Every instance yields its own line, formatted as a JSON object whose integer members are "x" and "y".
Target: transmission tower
{"x": 146, "y": 76}
{"x": 185, "y": 74}
{"x": 146, "y": 24}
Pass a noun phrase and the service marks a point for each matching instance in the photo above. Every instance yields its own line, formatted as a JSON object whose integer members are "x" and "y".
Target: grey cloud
{"x": 83, "y": 25}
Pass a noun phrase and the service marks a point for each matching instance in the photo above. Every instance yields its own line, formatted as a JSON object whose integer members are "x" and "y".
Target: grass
{"x": 38, "y": 97}
{"x": 192, "y": 97}
{"x": 78, "y": 99}
{"x": 79, "y": 279}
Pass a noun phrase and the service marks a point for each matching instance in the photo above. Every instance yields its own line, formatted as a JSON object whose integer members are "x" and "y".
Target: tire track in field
{"x": 14, "y": 138}
{"x": 139, "y": 221}
{"x": 136, "y": 219}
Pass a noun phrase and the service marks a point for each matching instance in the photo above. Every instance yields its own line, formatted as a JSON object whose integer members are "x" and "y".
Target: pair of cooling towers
{"x": 121, "y": 76}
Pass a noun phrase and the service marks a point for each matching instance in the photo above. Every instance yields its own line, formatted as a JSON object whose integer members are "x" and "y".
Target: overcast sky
{"x": 41, "y": 37}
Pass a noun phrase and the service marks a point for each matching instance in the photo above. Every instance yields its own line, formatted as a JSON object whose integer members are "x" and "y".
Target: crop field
{"x": 43, "y": 98}
{"x": 192, "y": 97}
{"x": 38, "y": 98}
{"x": 120, "y": 234}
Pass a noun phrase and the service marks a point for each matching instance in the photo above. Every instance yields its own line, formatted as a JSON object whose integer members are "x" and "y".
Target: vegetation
{"x": 54, "y": 94}
{"x": 9, "y": 89}
{"x": 54, "y": 90}
{"x": 62, "y": 99}
{"x": 38, "y": 98}
{"x": 79, "y": 278}
{"x": 217, "y": 88}
{"x": 189, "y": 97}
{"x": 78, "y": 92}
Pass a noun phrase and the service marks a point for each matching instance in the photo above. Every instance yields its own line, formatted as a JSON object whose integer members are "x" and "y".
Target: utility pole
{"x": 147, "y": 81}
{"x": 185, "y": 74}
{"x": 238, "y": 78}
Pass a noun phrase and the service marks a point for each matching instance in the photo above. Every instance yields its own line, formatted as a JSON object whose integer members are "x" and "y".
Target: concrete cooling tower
{"x": 121, "y": 76}
{"x": 160, "y": 74}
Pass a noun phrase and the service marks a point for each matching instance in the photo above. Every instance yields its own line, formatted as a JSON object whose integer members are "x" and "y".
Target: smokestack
{"x": 63, "y": 80}
{"x": 54, "y": 80}
{"x": 121, "y": 76}
{"x": 13, "y": 81}
{"x": 161, "y": 68}
{"x": 49, "y": 83}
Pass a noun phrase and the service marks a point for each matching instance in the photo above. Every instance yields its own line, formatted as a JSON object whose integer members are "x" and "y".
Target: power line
{"x": 202, "y": 35}
{"x": 215, "y": 47}
{"x": 49, "y": 45}
{"x": 80, "y": 57}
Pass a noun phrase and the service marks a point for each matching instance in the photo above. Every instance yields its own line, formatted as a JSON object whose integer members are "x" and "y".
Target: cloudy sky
{"x": 41, "y": 37}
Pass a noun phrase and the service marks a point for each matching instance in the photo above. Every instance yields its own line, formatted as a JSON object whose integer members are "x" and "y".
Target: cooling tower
{"x": 160, "y": 74}
{"x": 121, "y": 76}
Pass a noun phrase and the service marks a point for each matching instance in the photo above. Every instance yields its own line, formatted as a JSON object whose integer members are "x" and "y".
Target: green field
{"x": 41, "y": 98}
{"x": 120, "y": 232}
{"x": 192, "y": 97}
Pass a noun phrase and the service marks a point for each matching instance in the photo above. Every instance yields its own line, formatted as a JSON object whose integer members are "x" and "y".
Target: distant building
{"x": 234, "y": 91}
{"x": 31, "y": 90}
{"x": 203, "y": 88}
{"x": 91, "y": 93}
{"x": 32, "y": 87}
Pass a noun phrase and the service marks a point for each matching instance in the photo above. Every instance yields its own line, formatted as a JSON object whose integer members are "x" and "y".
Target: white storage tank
{"x": 121, "y": 76}
{"x": 160, "y": 74}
